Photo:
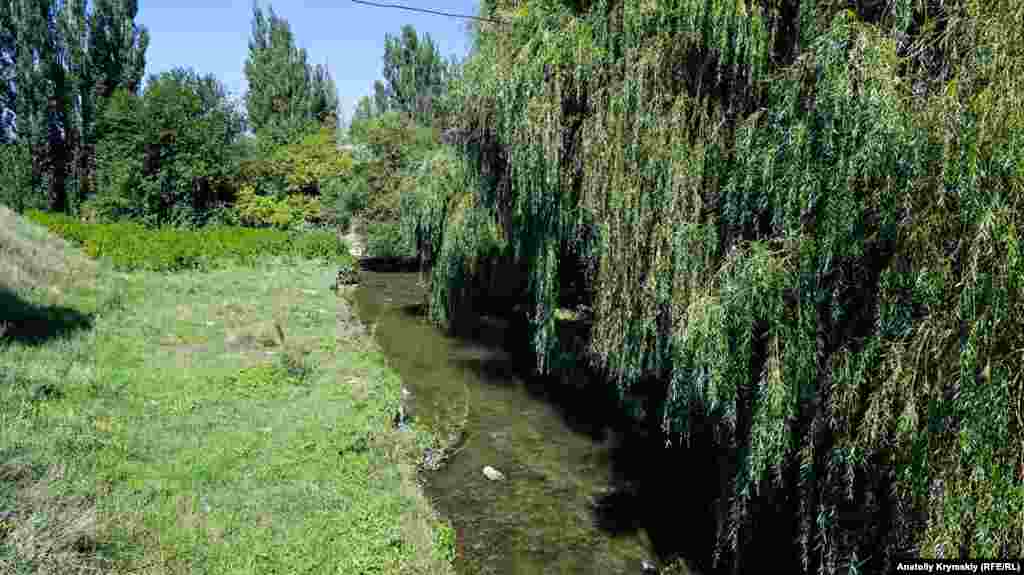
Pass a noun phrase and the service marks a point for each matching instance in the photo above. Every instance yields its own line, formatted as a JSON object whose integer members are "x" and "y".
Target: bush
{"x": 130, "y": 246}
{"x": 384, "y": 239}
{"x": 347, "y": 198}
{"x": 313, "y": 159}
{"x": 168, "y": 154}
{"x": 322, "y": 245}
{"x": 288, "y": 212}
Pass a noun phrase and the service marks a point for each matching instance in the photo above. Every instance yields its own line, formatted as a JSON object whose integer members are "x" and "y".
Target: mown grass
{"x": 228, "y": 421}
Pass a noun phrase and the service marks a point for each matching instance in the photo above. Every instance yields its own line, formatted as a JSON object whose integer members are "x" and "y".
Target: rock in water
{"x": 493, "y": 474}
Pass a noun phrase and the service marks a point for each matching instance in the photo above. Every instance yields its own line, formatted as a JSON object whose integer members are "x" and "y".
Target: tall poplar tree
{"x": 6, "y": 73}
{"x": 61, "y": 60}
{"x": 415, "y": 74}
{"x": 286, "y": 95}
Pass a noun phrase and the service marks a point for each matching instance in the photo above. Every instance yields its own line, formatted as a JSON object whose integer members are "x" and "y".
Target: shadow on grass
{"x": 32, "y": 324}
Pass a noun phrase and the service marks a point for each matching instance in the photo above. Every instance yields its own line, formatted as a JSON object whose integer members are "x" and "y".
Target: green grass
{"x": 173, "y": 430}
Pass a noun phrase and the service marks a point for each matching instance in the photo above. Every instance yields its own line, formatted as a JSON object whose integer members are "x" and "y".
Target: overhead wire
{"x": 429, "y": 11}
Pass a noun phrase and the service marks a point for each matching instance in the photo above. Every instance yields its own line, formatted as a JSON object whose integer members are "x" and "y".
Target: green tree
{"x": 287, "y": 96}
{"x": 7, "y": 47}
{"x": 364, "y": 110}
{"x": 167, "y": 156}
{"x": 415, "y": 74}
{"x": 115, "y": 59}
{"x": 796, "y": 227}
{"x": 380, "y": 98}
{"x": 60, "y": 60}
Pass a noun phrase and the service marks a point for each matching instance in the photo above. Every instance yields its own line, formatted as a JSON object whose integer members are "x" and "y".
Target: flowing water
{"x": 555, "y": 452}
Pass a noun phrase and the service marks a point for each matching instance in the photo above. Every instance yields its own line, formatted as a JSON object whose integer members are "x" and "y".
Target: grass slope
{"x": 233, "y": 421}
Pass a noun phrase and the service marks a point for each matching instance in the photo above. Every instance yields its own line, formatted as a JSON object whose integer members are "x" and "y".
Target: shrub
{"x": 305, "y": 164}
{"x": 320, "y": 245}
{"x": 282, "y": 211}
{"x": 131, "y": 246}
{"x": 346, "y": 198}
{"x": 168, "y": 154}
{"x": 384, "y": 239}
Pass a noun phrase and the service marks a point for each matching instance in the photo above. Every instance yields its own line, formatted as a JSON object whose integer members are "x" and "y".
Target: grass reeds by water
{"x": 236, "y": 420}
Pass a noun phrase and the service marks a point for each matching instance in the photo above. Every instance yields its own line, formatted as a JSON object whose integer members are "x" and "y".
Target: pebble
{"x": 493, "y": 474}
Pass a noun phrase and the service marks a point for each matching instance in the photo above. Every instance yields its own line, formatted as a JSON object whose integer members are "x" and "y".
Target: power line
{"x": 426, "y": 11}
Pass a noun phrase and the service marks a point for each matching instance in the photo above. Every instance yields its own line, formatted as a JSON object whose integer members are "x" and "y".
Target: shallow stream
{"x": 555, "y": 453}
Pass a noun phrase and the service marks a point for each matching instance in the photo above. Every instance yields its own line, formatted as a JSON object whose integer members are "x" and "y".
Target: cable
{"x": 426, "y": 11}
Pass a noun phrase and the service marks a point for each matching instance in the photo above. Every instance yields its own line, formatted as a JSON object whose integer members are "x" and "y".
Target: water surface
{"x": 555, "y": 452}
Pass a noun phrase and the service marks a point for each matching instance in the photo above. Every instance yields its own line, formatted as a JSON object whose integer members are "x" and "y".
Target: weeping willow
{"x": 801, "y": 220}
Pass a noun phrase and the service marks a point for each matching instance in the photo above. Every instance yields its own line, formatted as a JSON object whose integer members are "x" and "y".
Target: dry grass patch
{"x": 50, "y": 532}
{"x": 256, "y": 335}
{"x": 31, "y": 257}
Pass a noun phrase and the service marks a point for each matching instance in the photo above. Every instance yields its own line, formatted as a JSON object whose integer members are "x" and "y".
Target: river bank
{"x": 223, "y": 421}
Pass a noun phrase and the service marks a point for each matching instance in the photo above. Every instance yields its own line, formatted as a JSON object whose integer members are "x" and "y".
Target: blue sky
{"x": 211, "y": 36}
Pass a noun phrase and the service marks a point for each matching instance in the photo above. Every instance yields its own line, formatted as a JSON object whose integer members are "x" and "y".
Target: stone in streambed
{"x": 493, "y": 474}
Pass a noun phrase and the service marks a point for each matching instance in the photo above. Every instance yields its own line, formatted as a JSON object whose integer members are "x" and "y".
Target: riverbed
{"x": 559, "y": 459}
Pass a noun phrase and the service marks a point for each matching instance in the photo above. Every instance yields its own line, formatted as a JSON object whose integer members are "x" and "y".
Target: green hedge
{"x": 130, "y": 246}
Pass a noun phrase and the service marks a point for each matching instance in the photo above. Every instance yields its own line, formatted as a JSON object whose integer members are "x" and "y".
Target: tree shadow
{"x": 33, "y": 324}
{"x": 642, "y": 492}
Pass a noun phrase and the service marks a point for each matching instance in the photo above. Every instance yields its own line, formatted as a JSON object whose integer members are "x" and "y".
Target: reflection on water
{"x": 554, "y": 512}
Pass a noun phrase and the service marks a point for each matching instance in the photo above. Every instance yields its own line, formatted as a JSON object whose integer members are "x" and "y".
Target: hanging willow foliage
{"x": 802, "y": 220}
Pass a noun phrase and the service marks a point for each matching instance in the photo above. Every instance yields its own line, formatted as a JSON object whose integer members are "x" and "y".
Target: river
{"x": 558, "y": 454}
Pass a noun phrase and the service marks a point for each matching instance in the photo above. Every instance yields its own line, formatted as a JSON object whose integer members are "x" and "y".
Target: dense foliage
{"x": 166, "y": 156}
{"x": 797, "y": 228}
{"x": 131, "y": 246}
{"x": 292, "y": 184}
{"x": 60, "y": 61}
{"x": 390, "y": 148}
{"x": 77, "y": 136}
{"x": 394, "y": 131}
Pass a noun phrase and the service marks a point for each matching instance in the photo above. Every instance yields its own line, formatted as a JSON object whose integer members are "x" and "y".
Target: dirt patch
{"x": 259, "y": 336}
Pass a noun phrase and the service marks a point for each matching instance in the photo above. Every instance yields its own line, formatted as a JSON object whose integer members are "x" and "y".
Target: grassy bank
{"x": 227, "y": 421}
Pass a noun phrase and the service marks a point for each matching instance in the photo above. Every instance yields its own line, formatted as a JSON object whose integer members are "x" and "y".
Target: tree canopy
{"x": 287, "y": 96}
{"x": 166, "y": 155}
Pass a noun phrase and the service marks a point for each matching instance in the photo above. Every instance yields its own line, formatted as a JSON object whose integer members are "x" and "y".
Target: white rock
{"x": 493, "y": 474}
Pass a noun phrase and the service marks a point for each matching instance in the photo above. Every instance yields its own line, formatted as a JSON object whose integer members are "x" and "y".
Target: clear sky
{"x": 212, "y": 36}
